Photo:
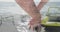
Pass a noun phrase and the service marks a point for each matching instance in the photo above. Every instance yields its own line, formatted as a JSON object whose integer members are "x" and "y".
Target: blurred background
{"x": 14, "y": 19}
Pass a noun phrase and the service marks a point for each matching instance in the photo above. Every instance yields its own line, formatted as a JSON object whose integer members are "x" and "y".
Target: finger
{"x": 34, "y": 24}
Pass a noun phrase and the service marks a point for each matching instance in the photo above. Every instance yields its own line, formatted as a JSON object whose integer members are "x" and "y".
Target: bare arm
{"x": 30, "y": 8}
{"x": 41, "y": 4}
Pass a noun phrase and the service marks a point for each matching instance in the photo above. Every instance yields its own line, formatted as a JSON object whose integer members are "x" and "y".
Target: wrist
{"x": 37, "y": 19}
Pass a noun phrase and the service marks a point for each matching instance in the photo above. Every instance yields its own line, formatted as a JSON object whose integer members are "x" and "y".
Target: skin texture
{"x": 33, "y": 10}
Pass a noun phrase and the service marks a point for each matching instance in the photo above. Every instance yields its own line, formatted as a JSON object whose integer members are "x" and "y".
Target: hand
{"x": 34, "y": 23}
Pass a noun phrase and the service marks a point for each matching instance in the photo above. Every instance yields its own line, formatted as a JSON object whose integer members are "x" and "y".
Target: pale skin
{"x": 33, "y": 10}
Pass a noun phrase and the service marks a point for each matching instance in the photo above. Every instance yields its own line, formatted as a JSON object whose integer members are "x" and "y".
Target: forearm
{"x": 33, "y": 12}
{"x": 41, "y": 4}
{"x": 30, "y": 8}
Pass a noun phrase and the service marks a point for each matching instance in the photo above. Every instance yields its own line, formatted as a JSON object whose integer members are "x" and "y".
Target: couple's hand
{"x": 34, "y": 23}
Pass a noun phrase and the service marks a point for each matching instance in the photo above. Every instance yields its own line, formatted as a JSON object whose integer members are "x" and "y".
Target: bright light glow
{"x": 8, "y": 0}
{"x": 34, "y": 0}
